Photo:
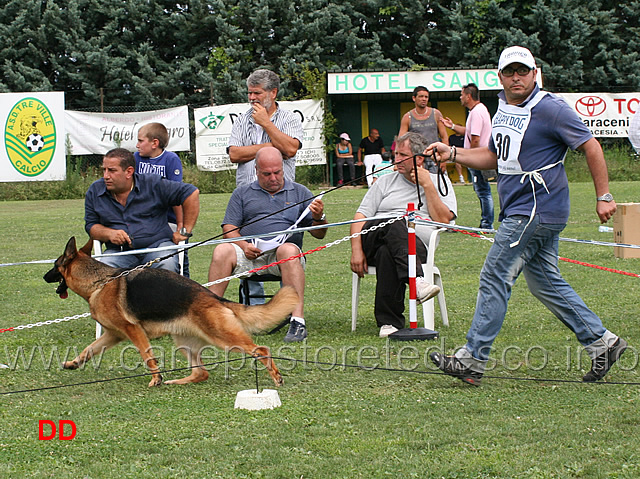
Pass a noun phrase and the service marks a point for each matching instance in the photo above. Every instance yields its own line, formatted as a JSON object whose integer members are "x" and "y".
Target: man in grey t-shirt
{"x": 387, "y": 248}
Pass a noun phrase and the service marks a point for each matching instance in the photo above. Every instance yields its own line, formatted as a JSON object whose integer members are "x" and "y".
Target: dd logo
{"x": 43, "y": 423}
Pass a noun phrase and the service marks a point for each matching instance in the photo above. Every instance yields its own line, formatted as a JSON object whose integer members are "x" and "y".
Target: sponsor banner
{"x": 403, "y": 82}
{"x": 97, "y": 133}
{"x": 33, "y": 142}
{"x": 213, "y": 128}
{"x": 605, "y": 114}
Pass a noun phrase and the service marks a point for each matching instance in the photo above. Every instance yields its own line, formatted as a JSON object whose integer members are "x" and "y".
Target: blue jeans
{"x": 537, "y": 256}
{"x": 132, "y": 260}
{"x": 483, "y": 191}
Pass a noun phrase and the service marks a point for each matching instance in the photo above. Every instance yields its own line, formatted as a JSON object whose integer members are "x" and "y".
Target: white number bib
{"x": 508, "y": 127}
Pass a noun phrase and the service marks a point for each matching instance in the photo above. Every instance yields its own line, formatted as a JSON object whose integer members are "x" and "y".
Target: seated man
{"x": 387, "y": 248}
{"x": 271, "y": 193}
{"x": 128, "y": 211}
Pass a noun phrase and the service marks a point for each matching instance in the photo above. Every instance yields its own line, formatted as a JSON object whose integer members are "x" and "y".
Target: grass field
{"x": 402, "y": 419}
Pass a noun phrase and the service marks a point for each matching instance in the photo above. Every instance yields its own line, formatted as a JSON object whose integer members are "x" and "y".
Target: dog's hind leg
{"x": 191, "y": 347}
{"x": 140, "y": 340}
{"x": 99, "y": 346}
{"x": 264, "y": 355}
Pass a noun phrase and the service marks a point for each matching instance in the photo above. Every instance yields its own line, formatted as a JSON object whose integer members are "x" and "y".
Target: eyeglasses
{"x": 521, "y": 71}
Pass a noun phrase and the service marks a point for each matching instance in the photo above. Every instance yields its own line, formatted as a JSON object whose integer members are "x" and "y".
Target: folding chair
{"x": 431, "y": 274}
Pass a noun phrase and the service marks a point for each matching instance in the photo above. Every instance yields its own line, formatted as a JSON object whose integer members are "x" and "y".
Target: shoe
{"x": 601, "y": 365}
{"x": 424, "y": 290}
{"x": 453, "y": 367}
{"x": 297, "y": 332}
{"x": 386, "y": 330}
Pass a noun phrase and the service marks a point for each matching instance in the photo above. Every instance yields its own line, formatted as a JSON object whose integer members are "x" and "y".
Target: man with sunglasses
{"x": 531, "y": 133}
{"x": 387, "y": 248}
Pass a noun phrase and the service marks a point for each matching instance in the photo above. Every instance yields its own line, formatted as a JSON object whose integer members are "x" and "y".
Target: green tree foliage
{"x": 141, "y": 53}
{"x": 122, "y": 52}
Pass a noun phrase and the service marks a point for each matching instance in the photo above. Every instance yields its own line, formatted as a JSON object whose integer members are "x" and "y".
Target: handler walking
{"x": 531, "y": 133}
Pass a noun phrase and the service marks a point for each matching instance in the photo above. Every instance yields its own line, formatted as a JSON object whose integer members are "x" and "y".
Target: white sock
{"x": 296, "y": 318}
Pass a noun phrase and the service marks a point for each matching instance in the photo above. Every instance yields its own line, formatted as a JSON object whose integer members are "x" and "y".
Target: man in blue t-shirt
{"x": 531, "y": 133}
{"x": 281, "y": 203}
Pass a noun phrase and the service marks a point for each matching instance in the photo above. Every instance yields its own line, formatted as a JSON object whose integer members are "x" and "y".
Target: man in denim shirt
{"x": 128, "y": 211}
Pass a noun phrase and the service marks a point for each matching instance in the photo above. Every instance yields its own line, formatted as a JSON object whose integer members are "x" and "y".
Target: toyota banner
{"x": 605, "y": 114}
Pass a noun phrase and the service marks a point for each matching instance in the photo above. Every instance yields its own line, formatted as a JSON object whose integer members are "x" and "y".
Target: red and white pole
{"x": 413, "y": 305}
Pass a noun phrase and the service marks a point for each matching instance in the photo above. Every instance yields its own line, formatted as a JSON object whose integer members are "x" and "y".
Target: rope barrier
{"x": 320, "y": 363}
{"x": 479, "y": 233}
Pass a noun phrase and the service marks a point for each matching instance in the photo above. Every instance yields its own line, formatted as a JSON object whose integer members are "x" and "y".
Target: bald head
{"x": 269, "y": 169}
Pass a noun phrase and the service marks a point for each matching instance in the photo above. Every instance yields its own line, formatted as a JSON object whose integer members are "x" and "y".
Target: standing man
{"x": 387, "y": 248}
{"x": 426, "y": 121}
{"x": 128, "y": 211}
{"x": 531, "y": 133}
{"x": 264, "y": 124}
{"x": 476, "y": 133}
{"x": 372, "y": 147}
{"x": 268, "y": 196}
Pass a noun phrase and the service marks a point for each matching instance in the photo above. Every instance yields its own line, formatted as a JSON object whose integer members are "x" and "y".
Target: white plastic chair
{"x": 431, "y": 274}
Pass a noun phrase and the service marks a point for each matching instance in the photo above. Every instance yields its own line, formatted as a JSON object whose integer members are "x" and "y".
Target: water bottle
{"x": 605, "y": 229}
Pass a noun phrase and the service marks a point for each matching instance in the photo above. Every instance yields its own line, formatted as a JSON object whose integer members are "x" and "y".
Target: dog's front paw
{"x": 278, "y": 379}
{"x": 70, "y": 365}
{"x": 156, "y": 381}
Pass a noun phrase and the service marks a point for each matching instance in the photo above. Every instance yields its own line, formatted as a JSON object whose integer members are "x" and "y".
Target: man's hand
{"x": 358, "y": 263}
{"x": 446, "y": 121}
{"x": 250, "y": 251}
{"x": 441, "y": 151}
{"x": 317, "y": 208}
{"x": 260, "y": 115}
{"x": 177, "y": 237}
{"x": 605, "y": 210}
{"x": 423, "y": 176}
{"x": 119, "y": 237}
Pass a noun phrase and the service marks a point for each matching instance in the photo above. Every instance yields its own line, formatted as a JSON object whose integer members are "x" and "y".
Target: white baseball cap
{"x": 345, "y": 136}
{"x": 516, "y": 55}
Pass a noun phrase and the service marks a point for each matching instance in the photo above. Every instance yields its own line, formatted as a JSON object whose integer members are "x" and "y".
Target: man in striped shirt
{"x": 264, "y": 124}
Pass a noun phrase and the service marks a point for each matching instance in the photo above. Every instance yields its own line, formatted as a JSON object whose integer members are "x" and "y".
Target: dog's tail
{"x": 263, "y": 316}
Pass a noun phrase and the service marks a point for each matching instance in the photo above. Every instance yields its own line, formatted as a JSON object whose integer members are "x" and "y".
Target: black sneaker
{"x": 601, "y": 365}
{"x": 297, "y": 332}
{"x": 453, "y": 367}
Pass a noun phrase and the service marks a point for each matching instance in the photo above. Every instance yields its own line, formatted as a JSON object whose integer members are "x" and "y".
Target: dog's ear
{"x": 70, "y": 251}
{"x": 86, "y": 249}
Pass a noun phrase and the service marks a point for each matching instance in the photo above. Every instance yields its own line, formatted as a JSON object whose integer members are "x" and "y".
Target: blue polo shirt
{"x": 250, "y": 202}
{"x": 553, "y": 129}
{"x": 144, "y": 217}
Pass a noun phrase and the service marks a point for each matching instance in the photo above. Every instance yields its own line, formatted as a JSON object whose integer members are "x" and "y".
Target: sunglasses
{"x": 521, "y": 71}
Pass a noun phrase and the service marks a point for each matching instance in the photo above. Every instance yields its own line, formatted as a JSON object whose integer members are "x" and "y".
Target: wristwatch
{"x": 183, "y": 232}
{"x": 608, "y": 197}
{"x": 322, "y": 218}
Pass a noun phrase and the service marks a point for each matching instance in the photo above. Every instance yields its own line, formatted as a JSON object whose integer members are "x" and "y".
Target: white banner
{"x": 97, "y": 133}
{"x": 213, "y": 128}
{"x": 33, "y": 136}
{"x": 605, "y": 114}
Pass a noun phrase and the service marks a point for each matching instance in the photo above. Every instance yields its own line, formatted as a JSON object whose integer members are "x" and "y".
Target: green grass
{"x": 335, "y": 421}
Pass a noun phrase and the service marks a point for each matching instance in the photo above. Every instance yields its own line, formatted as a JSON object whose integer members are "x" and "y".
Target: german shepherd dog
{"x": 150, "y": 303}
